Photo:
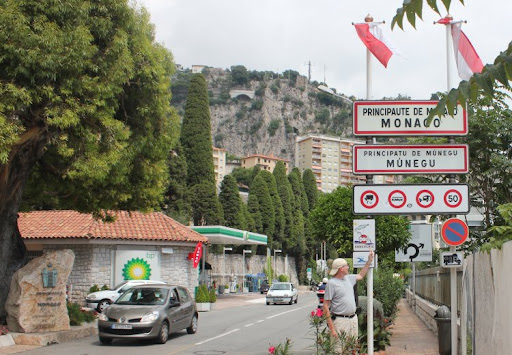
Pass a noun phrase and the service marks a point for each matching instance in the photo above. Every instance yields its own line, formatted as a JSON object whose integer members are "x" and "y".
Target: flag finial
{"x": 368, "y": 18}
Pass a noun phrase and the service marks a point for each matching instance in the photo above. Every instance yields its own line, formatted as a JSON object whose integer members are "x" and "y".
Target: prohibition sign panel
{"x": 454, "y": 232}
{"x": 405, "y": 199}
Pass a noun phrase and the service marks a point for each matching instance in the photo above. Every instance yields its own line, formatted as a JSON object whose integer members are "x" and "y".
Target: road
{"x": 239, "y": 325}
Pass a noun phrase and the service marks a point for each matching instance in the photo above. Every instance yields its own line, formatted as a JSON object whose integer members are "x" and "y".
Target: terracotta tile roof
{"x": 132, "y": 226}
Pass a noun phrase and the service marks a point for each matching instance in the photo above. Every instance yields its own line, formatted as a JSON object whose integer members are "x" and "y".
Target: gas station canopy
{"x": 226, "y": 235}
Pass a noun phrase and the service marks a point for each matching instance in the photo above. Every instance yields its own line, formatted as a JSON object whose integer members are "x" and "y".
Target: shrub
{"x": 273, "y": 127}
{"x": 381, "y": 334}
{"x": 257, "y": 105}
{"x": 3, "y": 330}
{"x": 77, "y": 316}
{"x": 274, "y": 89}
{"x": 213, "y": 296}
{"x": 388, "y": 289}
{"x": 202, "y": 294}
{"x": 283, "y": 278}
{"x": 96, "y": 288}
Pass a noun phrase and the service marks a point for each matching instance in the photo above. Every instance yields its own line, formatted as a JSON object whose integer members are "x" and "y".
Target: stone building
{"x": 136, "y": 245}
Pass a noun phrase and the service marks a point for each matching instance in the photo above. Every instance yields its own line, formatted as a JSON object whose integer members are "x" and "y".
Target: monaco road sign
{"x": 406, "y": 118}
{"x": 411, "y": 159}
{"x": 411, "y": 199}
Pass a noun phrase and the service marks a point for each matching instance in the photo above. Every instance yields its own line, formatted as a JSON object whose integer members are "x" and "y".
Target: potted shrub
{"x": 202, "y": 299}
{"x": 213, "y": 298}
{"x": 226, "y": 288}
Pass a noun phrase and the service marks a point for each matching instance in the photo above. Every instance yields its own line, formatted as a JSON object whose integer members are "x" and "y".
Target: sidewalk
{"x": 411, "y": 335}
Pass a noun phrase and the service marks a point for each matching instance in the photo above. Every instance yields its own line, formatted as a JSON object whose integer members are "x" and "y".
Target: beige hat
{"x": 336, "y": 264}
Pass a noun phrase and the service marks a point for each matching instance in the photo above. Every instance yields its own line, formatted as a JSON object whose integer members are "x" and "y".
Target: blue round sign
{"x": 454, "y": 232}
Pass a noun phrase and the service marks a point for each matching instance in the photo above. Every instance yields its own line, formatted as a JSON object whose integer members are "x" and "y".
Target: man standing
{"x": 339, "y": 299}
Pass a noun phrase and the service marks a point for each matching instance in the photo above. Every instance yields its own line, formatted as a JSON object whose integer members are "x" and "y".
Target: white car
{"x": 282, "y": 292}
{"x": 99, "y": 300}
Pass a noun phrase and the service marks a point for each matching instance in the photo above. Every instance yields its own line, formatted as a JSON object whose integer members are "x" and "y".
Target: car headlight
{"x": 102, "y": 317}
{"x": 91, "y": 297}
{"x": 149, "y": 317}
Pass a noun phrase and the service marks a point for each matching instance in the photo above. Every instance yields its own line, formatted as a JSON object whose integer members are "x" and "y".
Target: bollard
{"x": 444, "y": 330}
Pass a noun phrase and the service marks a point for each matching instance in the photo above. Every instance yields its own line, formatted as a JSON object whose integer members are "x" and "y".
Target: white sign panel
{"x": 137, "y": 265}
{"x": 419, "y": 247}
{"x": 451, "y": 259}
{"x": 364, "y": 234}
{"x": 406, "y": 118}
{"x": 359, "y": 259}
{"x": 411, "y": 159}
{"x": 411, "y": 199}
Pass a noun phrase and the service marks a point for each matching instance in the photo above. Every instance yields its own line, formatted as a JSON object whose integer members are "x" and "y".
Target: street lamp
{"x": 331, "y": 92}
{"x": 243, "y": 266}
{"x": 276, "y": 251}
{"x": 224, "y": 263}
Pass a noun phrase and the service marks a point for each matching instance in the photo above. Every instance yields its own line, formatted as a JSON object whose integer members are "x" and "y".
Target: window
{"x": 184, "y": 296}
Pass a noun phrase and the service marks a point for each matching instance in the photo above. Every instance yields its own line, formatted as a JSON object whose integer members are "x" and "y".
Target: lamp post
{"x": 243, "y": 267}
{"x": 224, "y": 264}
{"x": 275, "y": 252}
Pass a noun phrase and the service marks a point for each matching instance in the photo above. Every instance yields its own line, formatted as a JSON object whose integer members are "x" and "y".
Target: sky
{"x": 277, "y": 35}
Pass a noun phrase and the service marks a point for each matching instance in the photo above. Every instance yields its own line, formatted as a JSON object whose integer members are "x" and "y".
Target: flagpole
{"x": 369, "y": 180}
{"x": 451, "y": 180}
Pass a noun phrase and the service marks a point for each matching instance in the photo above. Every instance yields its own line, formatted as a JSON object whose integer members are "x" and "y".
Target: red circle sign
{"x": 397, "y": 199}
{"x": 369, "y": 199}
{"x": 452, "y": 198}
{"x": 454, "y": 232}
{"x": 425, "y": 198}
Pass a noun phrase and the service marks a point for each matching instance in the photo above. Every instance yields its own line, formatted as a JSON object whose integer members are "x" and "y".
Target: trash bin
{"x": 444, "y": 330}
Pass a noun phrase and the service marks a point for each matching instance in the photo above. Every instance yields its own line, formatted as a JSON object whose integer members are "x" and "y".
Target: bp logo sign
{"x": 136, "y": 269}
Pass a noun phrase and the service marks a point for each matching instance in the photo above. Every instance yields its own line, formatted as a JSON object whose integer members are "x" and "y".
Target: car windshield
{"x": 119, "y": 285}
{"x": 280, "y": 287}
{"x": 144, "y": 296}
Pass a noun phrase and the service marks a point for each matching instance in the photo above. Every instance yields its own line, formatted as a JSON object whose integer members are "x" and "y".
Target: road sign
{"x": 359, "y": 259}
{"x": 451, "y": 259}
{"x": 309, "y": 273}
{"x": 364, "y": 234}
{"x": 411, "y": 159}
{"x": 411, "y": 199}
{"x": 420, "y": 245}
{"x": 454, "y": 231}
{"x": 406, "y": 118}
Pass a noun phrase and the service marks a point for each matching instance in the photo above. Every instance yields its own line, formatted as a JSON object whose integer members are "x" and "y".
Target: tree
{"x": 177, "y": 199}
{"x": 206, "y": 208}
{"x": 196, "y": 139}
{"x": 332, "y": 220}
{"x": 84, "y": 113}
{"x": 500, "y": 72}
{"x": 259, "y": 189}
{"x": 285, "y": 194}
{"x": 231, "y": 202}
{"x": 279, "y": 225}
{"x": 310, "y": 187}
{"x": 239, "y": 75}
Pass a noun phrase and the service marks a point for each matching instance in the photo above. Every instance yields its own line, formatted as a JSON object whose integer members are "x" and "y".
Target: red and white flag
{"x": 466, "y": 57}
{"x": 468, "y": 61}
{"x": 373, "y": 38}
{"x": 197, "y": 254}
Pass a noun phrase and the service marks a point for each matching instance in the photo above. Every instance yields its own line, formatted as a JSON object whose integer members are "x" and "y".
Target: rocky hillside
{"x": 263, "y": 112}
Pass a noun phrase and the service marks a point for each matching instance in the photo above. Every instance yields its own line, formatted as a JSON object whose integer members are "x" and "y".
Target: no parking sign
{"x": 454, "y": 232}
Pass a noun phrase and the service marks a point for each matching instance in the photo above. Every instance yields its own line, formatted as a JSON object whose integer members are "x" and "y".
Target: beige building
{"x": 330, "y": 159}
{"x": 219, "y": 165}
{"x": 264, "y": 162}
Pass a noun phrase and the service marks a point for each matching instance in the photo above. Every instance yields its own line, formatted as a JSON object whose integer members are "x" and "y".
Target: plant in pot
{"x": 213, "y": 298}
{"x": 202, "y": 298}
{"x": 226, "y": 288}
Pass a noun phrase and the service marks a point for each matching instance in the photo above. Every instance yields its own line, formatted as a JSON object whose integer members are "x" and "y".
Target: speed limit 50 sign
{"x": 411, "y": 199}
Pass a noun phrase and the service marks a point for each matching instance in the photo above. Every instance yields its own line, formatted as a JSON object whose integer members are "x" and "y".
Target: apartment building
{"x": 264, "y": 162}
{"x": 219, "y": 165}
{"x": 330, "y": 159}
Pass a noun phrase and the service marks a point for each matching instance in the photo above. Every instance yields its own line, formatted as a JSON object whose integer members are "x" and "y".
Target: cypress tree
{"x": 285, "y": 193}
{"x": 177, "y": 202}
{"x": 253, "y": 208}
{"x": 231, "y": 203}
{"x": 260, "y": 190}
{"x": 196, "y": 139}
{"x": 280, "y": 222}
{"x": 310, "y": 188}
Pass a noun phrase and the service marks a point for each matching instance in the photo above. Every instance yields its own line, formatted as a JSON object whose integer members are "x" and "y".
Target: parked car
{"x": 148, "y": 312}
{"x": 100, "y": 300}
{"x": 264, "y": 287}
{"x": 282, "y": 292}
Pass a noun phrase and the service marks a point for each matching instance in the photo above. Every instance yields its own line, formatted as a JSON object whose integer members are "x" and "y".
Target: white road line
{"x": 291, "y": 310}
{"x": 261, "y": 320}
{"x": 248, "y": 325}
{"x": 218, "y": 336}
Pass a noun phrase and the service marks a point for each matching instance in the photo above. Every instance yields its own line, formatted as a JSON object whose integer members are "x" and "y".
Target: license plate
{"x": 278, "y": 299}
{"x": 121, "y": 326}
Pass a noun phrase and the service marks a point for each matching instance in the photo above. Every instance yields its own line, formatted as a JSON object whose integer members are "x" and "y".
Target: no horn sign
{"x": 454, "y": 232}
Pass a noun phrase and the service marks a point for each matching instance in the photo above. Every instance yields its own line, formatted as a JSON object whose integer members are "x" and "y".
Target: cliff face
{"x": 265, "y": 114}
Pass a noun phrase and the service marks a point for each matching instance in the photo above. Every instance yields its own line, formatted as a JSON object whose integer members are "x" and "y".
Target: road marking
{"x": 291, "y": 310}
{"x": 261, "y": 320}
{"x": 218, "y": 336}
{"x": 248, "y": 325}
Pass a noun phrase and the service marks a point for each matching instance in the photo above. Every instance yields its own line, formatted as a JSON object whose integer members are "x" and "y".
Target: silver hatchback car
{"x": 148, "y": 312}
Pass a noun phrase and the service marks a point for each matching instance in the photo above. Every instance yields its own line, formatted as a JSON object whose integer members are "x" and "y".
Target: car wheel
{"x": 163, "y": 334}
{"x": 192, "y": 329}
{"x": 297, "y": 299}
{"x": 291, "y": 300}
{"x": 102, "y": 305}
{"x": 268, "y": 303}
{"x": 104, "y": 340}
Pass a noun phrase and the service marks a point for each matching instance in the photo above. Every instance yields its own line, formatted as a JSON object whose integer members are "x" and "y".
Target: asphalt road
{"x": 238, "y": 325}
